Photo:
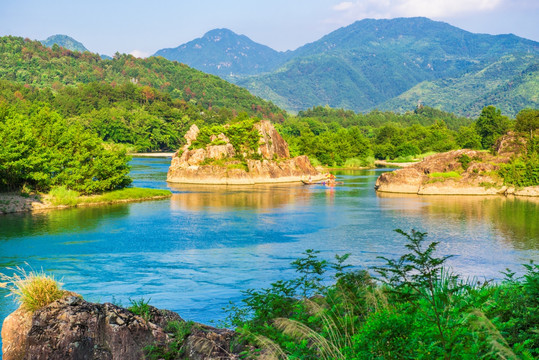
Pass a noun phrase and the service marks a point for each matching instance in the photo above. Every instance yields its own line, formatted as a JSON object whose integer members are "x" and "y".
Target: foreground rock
{"x": 220, "y": 162}
{"x": 459, "y": 172}
{"x": 72, "y": 328}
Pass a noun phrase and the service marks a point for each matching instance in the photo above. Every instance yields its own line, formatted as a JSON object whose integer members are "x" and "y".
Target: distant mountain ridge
{"x": 69, "y": 43}
{"x": 373, "y": 64}
{"x": 223, "y": 52}
{"x": 65, "y": 42}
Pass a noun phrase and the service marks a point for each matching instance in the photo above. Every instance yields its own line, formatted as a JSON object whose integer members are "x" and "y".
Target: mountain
{"x": 370, "y": 62}
{"x": 29, "y": 62}
{"x": 380, "y": 64}
{"x": 516, "y": 89}
{"x": 65, "y": 42}
{"x": 223, "y": 52}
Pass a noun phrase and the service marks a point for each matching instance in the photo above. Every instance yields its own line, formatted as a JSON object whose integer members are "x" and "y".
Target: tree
{"x": 527, "y": 120}
{"x": 490, "y": 125}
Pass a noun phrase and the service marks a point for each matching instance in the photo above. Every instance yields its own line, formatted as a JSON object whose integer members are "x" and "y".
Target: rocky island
{"x": 241, "y": 153}
{"x": 463, "y": 172}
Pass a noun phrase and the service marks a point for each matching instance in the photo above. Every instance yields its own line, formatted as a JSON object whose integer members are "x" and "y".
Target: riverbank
{"x": 153, "y": 155}
{"x": 385, "y": 163}
{"x": 18, "y": 202}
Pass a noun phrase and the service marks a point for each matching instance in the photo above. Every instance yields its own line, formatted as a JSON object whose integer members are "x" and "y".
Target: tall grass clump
{"x": 359, "y": 162}
{"x": 33, "y": 290}
{"x": 61, "y": 195}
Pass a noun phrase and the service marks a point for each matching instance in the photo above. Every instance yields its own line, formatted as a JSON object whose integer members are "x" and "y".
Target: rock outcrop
{"x": 458, "y": 172}
{"x": 72, "y": 328}
{"x": 219, "y": 162}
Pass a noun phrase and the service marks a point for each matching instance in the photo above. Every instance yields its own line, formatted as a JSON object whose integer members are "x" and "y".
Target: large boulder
{"x": 477, "y": 177}
{"x": 219, "y": 162}
{"x": 72, "y": 328}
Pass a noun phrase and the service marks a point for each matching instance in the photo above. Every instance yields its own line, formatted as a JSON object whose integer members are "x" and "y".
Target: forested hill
{"x": 65, "y": 42}
{"x": 29, "y": 62}
{"x": 371, "y": 62}
{"x": 374, "y": 63}
{"x": 223, "y": 52}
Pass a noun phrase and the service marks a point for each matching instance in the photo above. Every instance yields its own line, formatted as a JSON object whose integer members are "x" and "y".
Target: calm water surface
{"x": 197, "y": 251}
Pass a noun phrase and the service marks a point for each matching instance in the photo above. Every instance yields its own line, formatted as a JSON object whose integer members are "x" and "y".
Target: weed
{"x": 33, "y": 289}
{"x": 140, "y": 307}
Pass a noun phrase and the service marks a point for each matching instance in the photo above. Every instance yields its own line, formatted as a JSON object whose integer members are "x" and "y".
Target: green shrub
{"x": 521, "y": 172}
{"x": 464, "y": 161}
{"x": 140, "y": 307}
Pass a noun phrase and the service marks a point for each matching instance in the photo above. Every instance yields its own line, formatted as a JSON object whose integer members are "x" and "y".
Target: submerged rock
{"x": 219, "y": 162}
{"x": 72, "y": 328}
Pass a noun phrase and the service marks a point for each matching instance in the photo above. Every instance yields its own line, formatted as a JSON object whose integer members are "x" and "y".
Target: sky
{"x": 143, "y": 27}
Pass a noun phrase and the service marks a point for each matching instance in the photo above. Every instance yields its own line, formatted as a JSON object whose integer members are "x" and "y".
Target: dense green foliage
{"x": 242, "y": 134}
{"x": 491, "y": 125}
{"x": 143, "y": 117}
{"x": 527, "y": 120}
{"x": 344, "y": 138}
{"x": 416, "y": 309}
{"x": 29, "y": 62}
{"x": 40, "y": 149}
{"x": 523, "y": 170}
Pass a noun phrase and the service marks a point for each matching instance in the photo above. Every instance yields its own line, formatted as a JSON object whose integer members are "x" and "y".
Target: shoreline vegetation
{"x": 62, "y": 198}
{"x": 414, "y": 305}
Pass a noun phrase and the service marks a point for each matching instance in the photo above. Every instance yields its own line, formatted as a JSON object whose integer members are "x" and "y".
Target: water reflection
{"x": 53, "y": 222}
{"x": 229, "y": 198}
{"x": 516, "y": 218}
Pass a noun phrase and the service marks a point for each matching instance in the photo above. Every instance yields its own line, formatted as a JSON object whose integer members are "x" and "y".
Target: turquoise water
{"x": 195, "y": 252}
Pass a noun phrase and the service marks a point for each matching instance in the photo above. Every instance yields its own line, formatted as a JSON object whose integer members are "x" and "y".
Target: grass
{"x": 358, "y": 163}
{"x": 33, "y": 289}
{"x": 412, "y": 158}
{"x": 62, "y": 196}
{"x": 140, "y": 307}
{"x": 445, "y": 175}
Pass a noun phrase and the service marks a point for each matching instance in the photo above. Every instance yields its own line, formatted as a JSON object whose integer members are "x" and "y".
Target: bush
{"x": 521, "y": 172}
{"x": 43, "y": 150}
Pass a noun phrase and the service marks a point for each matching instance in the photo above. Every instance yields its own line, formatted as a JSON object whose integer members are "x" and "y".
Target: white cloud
{"x": 139, "y": 54}
{"x": 343, "y": 6}
{"x": 346, "y": 11}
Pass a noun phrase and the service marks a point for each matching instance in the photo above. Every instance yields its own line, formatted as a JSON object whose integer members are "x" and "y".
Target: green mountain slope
{"x": 347, "y": 79}
{"x": 29, "y": 62}
{"x": 510, "y": 83}
{"x": 223, "y": 52}
{"x": 364, "y": 65}
{"x": 65, "y": 42}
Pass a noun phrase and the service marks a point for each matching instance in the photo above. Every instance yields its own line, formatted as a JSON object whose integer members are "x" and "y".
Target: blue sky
{"x": 143, "y": 27}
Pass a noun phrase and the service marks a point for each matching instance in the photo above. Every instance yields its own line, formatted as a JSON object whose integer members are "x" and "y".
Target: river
{"x": 197, "y": 251}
